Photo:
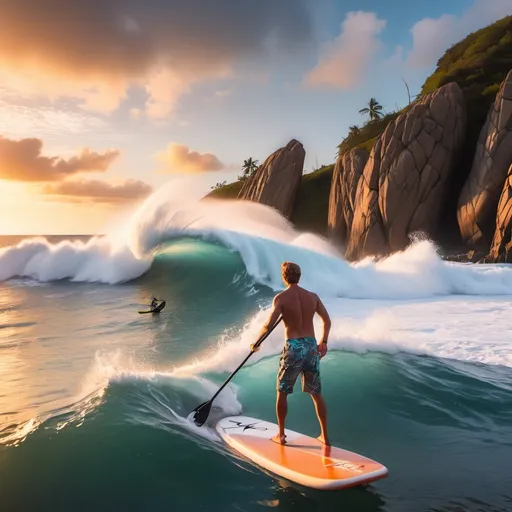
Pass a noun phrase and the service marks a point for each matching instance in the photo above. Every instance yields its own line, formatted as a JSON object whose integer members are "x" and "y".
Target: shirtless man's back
{"x": 298, "y": 309}
{"x": 301, "y": 353}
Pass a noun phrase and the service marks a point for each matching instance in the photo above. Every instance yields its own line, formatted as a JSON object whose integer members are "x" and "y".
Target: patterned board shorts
{"x": 299, "y": 355}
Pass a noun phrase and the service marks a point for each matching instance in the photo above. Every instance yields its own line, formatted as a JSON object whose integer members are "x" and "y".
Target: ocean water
{"x": 94, "y": 398}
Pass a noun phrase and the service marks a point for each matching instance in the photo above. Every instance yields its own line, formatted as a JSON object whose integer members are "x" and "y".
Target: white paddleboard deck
{"x": 303, "y": 459}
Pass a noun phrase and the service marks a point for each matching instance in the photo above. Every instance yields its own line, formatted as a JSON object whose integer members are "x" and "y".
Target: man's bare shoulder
{"x": 280, "y": 296}
{"x": 313, "y": 295}
{"x": 284, "y": 296}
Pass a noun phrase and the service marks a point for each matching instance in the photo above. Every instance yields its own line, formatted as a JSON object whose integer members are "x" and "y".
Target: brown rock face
{"x": 405, "y": 179}
{"x": 277, "y": 181}
{"x": 481, "y": 192}
{"x": 347, "y": 172}
{"x": 366, "y": 233}
{"x": 501, "y": 250}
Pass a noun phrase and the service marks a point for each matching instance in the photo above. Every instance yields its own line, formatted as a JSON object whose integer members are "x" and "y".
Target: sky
{"x": 103, "y": 102}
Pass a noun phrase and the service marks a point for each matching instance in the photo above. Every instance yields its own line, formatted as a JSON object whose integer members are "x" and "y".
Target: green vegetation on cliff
{"x": 312, "y": 206}
{"x": 478, "y": 64}
{"x": 367, "y": 134}
{"x": 229, "y": 191}
{"x": 310, "y": 213}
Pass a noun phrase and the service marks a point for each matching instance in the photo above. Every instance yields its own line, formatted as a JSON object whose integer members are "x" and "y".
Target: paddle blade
{"x": 201, "y": 413}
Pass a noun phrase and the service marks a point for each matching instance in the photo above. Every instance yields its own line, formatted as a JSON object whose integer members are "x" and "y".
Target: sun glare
{"x": 25, "y": 213}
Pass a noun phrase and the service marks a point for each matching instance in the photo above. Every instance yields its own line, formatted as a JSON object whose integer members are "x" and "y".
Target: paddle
{"x": 201, "y": 413}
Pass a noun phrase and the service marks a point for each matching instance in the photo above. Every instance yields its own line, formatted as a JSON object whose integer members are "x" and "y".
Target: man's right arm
{"x": 277, "y": 309}
{"x": 324, "y": 315}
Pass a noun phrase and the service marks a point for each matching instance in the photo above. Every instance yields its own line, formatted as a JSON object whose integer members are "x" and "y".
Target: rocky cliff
{"x": 501, "y": 250}
{"x": 276, "y": 182}
{"x": 439, "y": 166}
{"x": 481, "y": 192}
{"x": 404, "y": 182}
{"x": 342, "y": 199}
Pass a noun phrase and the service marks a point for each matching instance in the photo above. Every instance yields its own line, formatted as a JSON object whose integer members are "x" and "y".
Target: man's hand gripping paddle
{"x": 201, "y": 413}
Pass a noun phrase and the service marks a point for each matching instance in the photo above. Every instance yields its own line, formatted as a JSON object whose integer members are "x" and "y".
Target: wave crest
{"x": 263, "y": 239}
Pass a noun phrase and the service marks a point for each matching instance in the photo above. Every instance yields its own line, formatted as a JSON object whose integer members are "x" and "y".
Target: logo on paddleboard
{"x": 248, "y": 426}
{"x": 345, "y": 464}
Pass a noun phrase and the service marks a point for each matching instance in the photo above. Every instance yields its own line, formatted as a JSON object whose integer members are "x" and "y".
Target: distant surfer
{"x": 155, "y": 307}
{"x": 301, "y": 353}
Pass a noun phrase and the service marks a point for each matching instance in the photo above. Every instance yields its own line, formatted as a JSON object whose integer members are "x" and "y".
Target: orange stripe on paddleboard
{"x": 303, "y": 459}
{"x": 310, "y": 457}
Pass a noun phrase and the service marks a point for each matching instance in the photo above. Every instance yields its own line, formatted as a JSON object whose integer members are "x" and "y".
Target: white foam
{"x": 115, "y": 367}
{"x": 95, "y": 260}
{"x": 462, "y": 328}
{"x": 263, "y": 239}
{"x": 467, "y": 329}
{"x": 20, "y": 432}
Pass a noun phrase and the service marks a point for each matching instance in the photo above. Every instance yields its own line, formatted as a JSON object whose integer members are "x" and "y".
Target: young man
{"x": 301, "y": 353}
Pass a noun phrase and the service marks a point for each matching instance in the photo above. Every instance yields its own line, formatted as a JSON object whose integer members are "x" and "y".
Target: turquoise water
{"x": 94, "y": 398}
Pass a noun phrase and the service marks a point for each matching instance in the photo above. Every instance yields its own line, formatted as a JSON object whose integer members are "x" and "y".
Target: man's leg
{"x": 321, "y": 412}
{"x": 289, "y": 368}
{"x": 311, "y": 383}
{"x": 281, "y": 411}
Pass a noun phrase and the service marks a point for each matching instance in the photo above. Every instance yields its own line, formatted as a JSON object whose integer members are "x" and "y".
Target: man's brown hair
{"x": 291, "y": 272}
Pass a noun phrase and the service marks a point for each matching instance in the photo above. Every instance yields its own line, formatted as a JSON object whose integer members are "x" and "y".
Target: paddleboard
{"x": 155, "y": 310}
{"x": 303, "y": 459}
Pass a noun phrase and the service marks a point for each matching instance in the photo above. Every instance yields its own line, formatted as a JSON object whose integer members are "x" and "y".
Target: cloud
{"x": 95, "y": 51}
{"x": 223, "y": 93}
{"x": 164, "y": 89}
{"x": 343, "y": 62}
{"x": 136, "y": 113}
{"x": 100, "y": 191}
{"x": 18, "y": 120}
{"x": 21, "y": 160}
{"x": 397, "y": 59}
{"x": 433, "y": 36}
{"x": 179, "y": 158}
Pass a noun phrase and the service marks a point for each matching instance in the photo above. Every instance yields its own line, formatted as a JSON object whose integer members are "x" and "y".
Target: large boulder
{"x": 367, "y": 233}
{"x": 277, "y": 181}
{"x": 501, "y": 250}
{"x": 347, "y": 173}
{"x": 405, "y": 179}
{"x": 481, "y": 192}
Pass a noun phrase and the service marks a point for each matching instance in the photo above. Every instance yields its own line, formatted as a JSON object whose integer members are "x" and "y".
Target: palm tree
{"x": 374, "y": 109}
{"x": 248, "y": 169}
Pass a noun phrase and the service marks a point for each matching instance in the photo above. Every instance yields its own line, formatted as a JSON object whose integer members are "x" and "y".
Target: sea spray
{"x": 263, "y": 239}
{"x": 376, "y": 326}
{"x": 96, "y": 260}
{"x": 114, "y": 369}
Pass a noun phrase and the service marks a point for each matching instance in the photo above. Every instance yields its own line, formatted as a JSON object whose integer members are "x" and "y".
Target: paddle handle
{"x": 257, "y": 344}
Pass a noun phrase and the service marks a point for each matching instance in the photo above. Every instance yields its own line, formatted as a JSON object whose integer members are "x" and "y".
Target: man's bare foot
{"x": 324, "y": 440}
{"x": 279, "y": 439}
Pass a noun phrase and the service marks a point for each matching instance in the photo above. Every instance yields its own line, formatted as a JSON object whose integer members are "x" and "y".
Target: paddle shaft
{"x": 257, "y": 344}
